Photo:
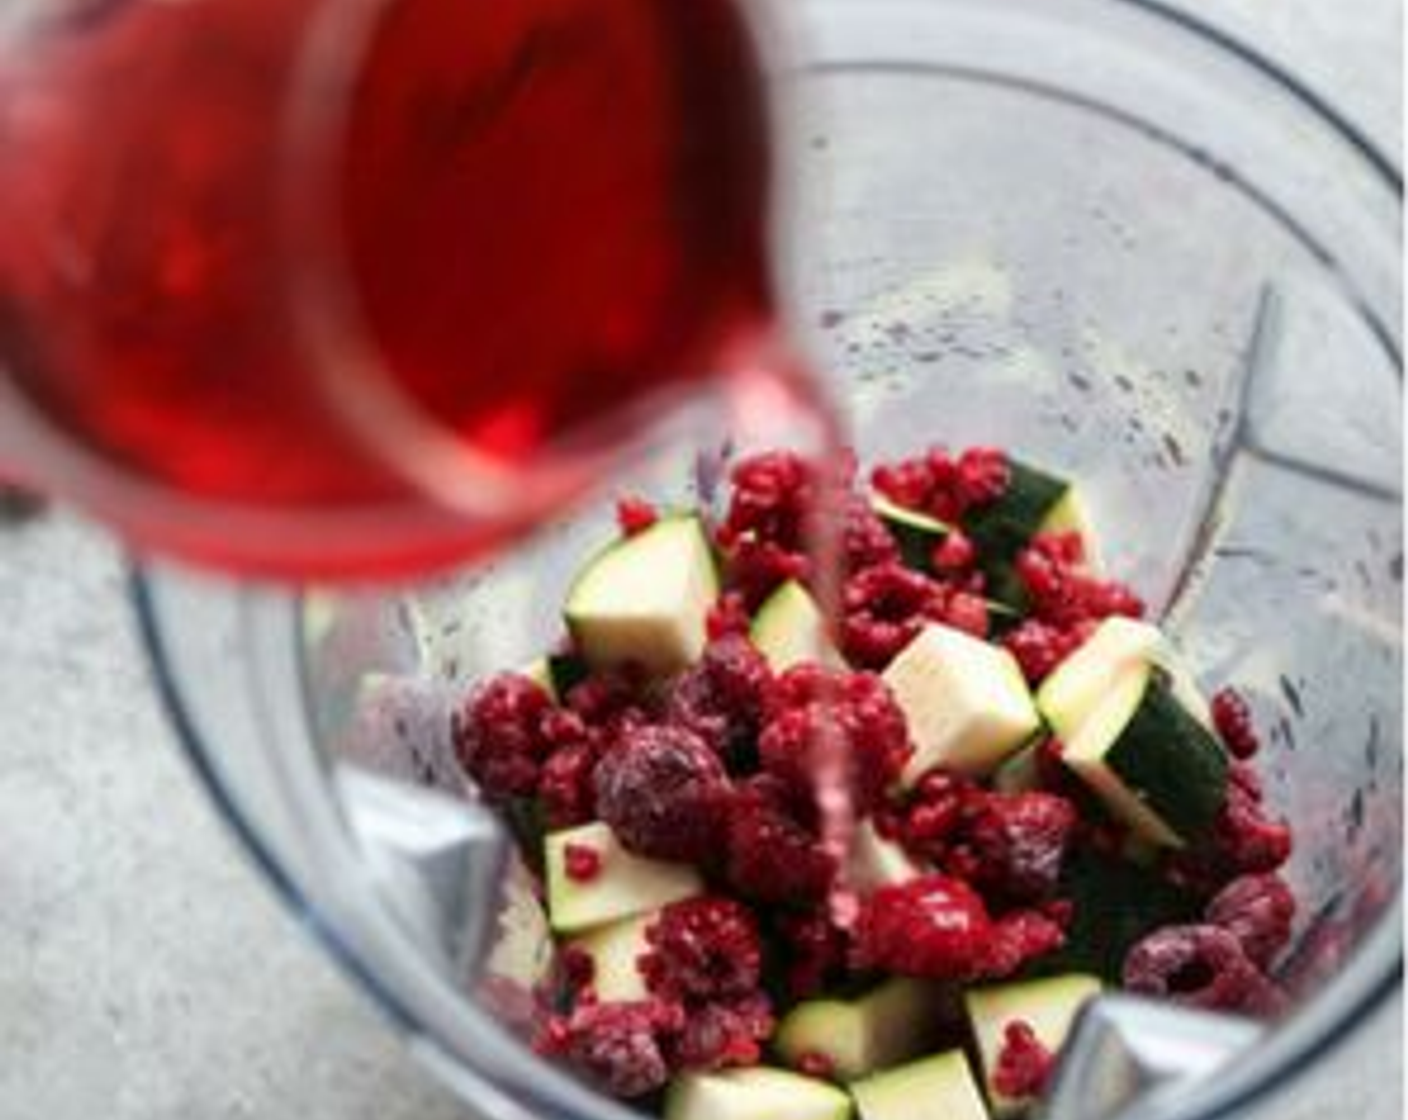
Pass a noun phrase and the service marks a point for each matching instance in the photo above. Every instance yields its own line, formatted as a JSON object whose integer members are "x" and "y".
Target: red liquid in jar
{"x": 544, "y": 211}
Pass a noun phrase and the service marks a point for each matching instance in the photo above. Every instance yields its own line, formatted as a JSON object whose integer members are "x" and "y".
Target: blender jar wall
{"x": 1079, "y": 229}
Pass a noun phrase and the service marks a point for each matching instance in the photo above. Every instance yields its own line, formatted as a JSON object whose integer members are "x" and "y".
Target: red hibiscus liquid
{"x": 537, "y": 217}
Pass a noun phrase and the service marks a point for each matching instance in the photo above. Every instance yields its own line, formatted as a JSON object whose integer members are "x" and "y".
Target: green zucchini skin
{"x": 1172, "y": 761}
{"x": 1001, "y": 529}
{"x": 1114, "y": 904}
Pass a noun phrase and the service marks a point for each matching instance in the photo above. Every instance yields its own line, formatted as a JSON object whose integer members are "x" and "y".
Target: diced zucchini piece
{"x": 625, "y": 886}
{"x": 616, "y": 951}
{"x": 965, "y": 700}
{"x": 875, "y": 862}
{"x": 937, "y": 1088}
{"x": 1079, "y": 684}
{"x": 758, "y": 1093}
{"x": 645, "y": 599}
{"x": 917, "y": 534}
{"x": 888, "y": 1025}
{"x": 1048, "y": 1006}
{"x": 1154, "y": 766}
{"x": 789, "y": 629}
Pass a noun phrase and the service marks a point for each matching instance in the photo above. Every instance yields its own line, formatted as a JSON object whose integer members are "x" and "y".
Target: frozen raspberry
{"x": 816, "y": 950}
{"x": 635, "y": 516}
{"x": 498, "y": 736}
{"x": 728, "y": 617}
{"x": 1019, "y": 842}
{"x": 1233, "y": 720}
{"x": 1258, "y": 910}
{"x": 866, "y": 542}
{"x": 578, "y": 969}
{"x": 1040, "y": 647}
{"x": 943, "y": 486}
{"x": 1024, "y": 1065}
{"x": 939, "y": 805}
{"x": 1022, "y": 936}
{"x": 1063, "y": 595}
{"x": 606, "y": 703}
{"x": 814, "y": 709}
{"x": 954, "y": 554}
{"x": 937, "y": 927}
{"x": 703, "y": 949}
{"x": 758, "y": 568}
{"x": 934, "y": 926}
{"x": 663, "y": 792}
{"x": 621, "y": 1047}
{"x": 581, "y": 862}
{"x": 983, "y": 474}
{"x": 773, "y": 493}
{"x": 1242, "y": 841}
{"x": 721, "y": 699}
{"x": 908, "y": 483}
{"x": 883, "y": 608}
{"x": 724, "y": 1035}
{"x": 770, "y": 857}
{"x": 566, "y": 788}
{"x": 1201, "y": 966}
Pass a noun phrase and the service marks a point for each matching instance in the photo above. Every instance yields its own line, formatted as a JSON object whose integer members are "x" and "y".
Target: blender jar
{"x": 1092, "y": 231}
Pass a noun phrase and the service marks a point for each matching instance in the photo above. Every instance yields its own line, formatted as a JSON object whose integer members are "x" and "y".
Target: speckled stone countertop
{"x": 146, "y": 973}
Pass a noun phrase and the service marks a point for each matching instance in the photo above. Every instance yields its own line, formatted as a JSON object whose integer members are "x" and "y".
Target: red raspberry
{"x": 954, "y": 554}
{"x": 728, "y": 616}
{"x": 1201, "y": 966}
{"x": 663, "y": 792}
{"x": 908, "y": 483}
{"x": 1019, "y": 843}
{"x": 606, "y": 703}
{"x": 883, "y": 608}
{"x": 1064, "y": 596}
{"x": 703, "y": 949}
{"x": 1022, "y": 936}
{"x": 724, "y": 1035}
{"x": 773, "y": 494}
{"x": 578, "y": 969}
{"x": 937, "y": 927}
{"x": 621, "y": 1047}
{"x": 855, "y": 708}
{"x": 1242, "y": 841}
{"x": 498, "y": 736}
{"x": 1024, "y": 1065}
{"x": 934, "y": 926}
{"x": 635, "y": 516}
{"x": 940, "y": 803}
{"x": 983, "y": 476}
{"x": 721, "y": 699}
{"x": 566, "y": 788}
{"x": 1233, "y": 720}
{"x": 1039, "y": 647}
{"x": 816, "y": 951}
{"x": 770, "y": 857}
{"x": 1258, "y": 910}
{"x": 758, "y": 568}
{"x": 581, "y": 862}
{"x": 866, "y": 542}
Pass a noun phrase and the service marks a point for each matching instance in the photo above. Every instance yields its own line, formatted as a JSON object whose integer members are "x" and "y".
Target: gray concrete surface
{"x": 146, "y": 974}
